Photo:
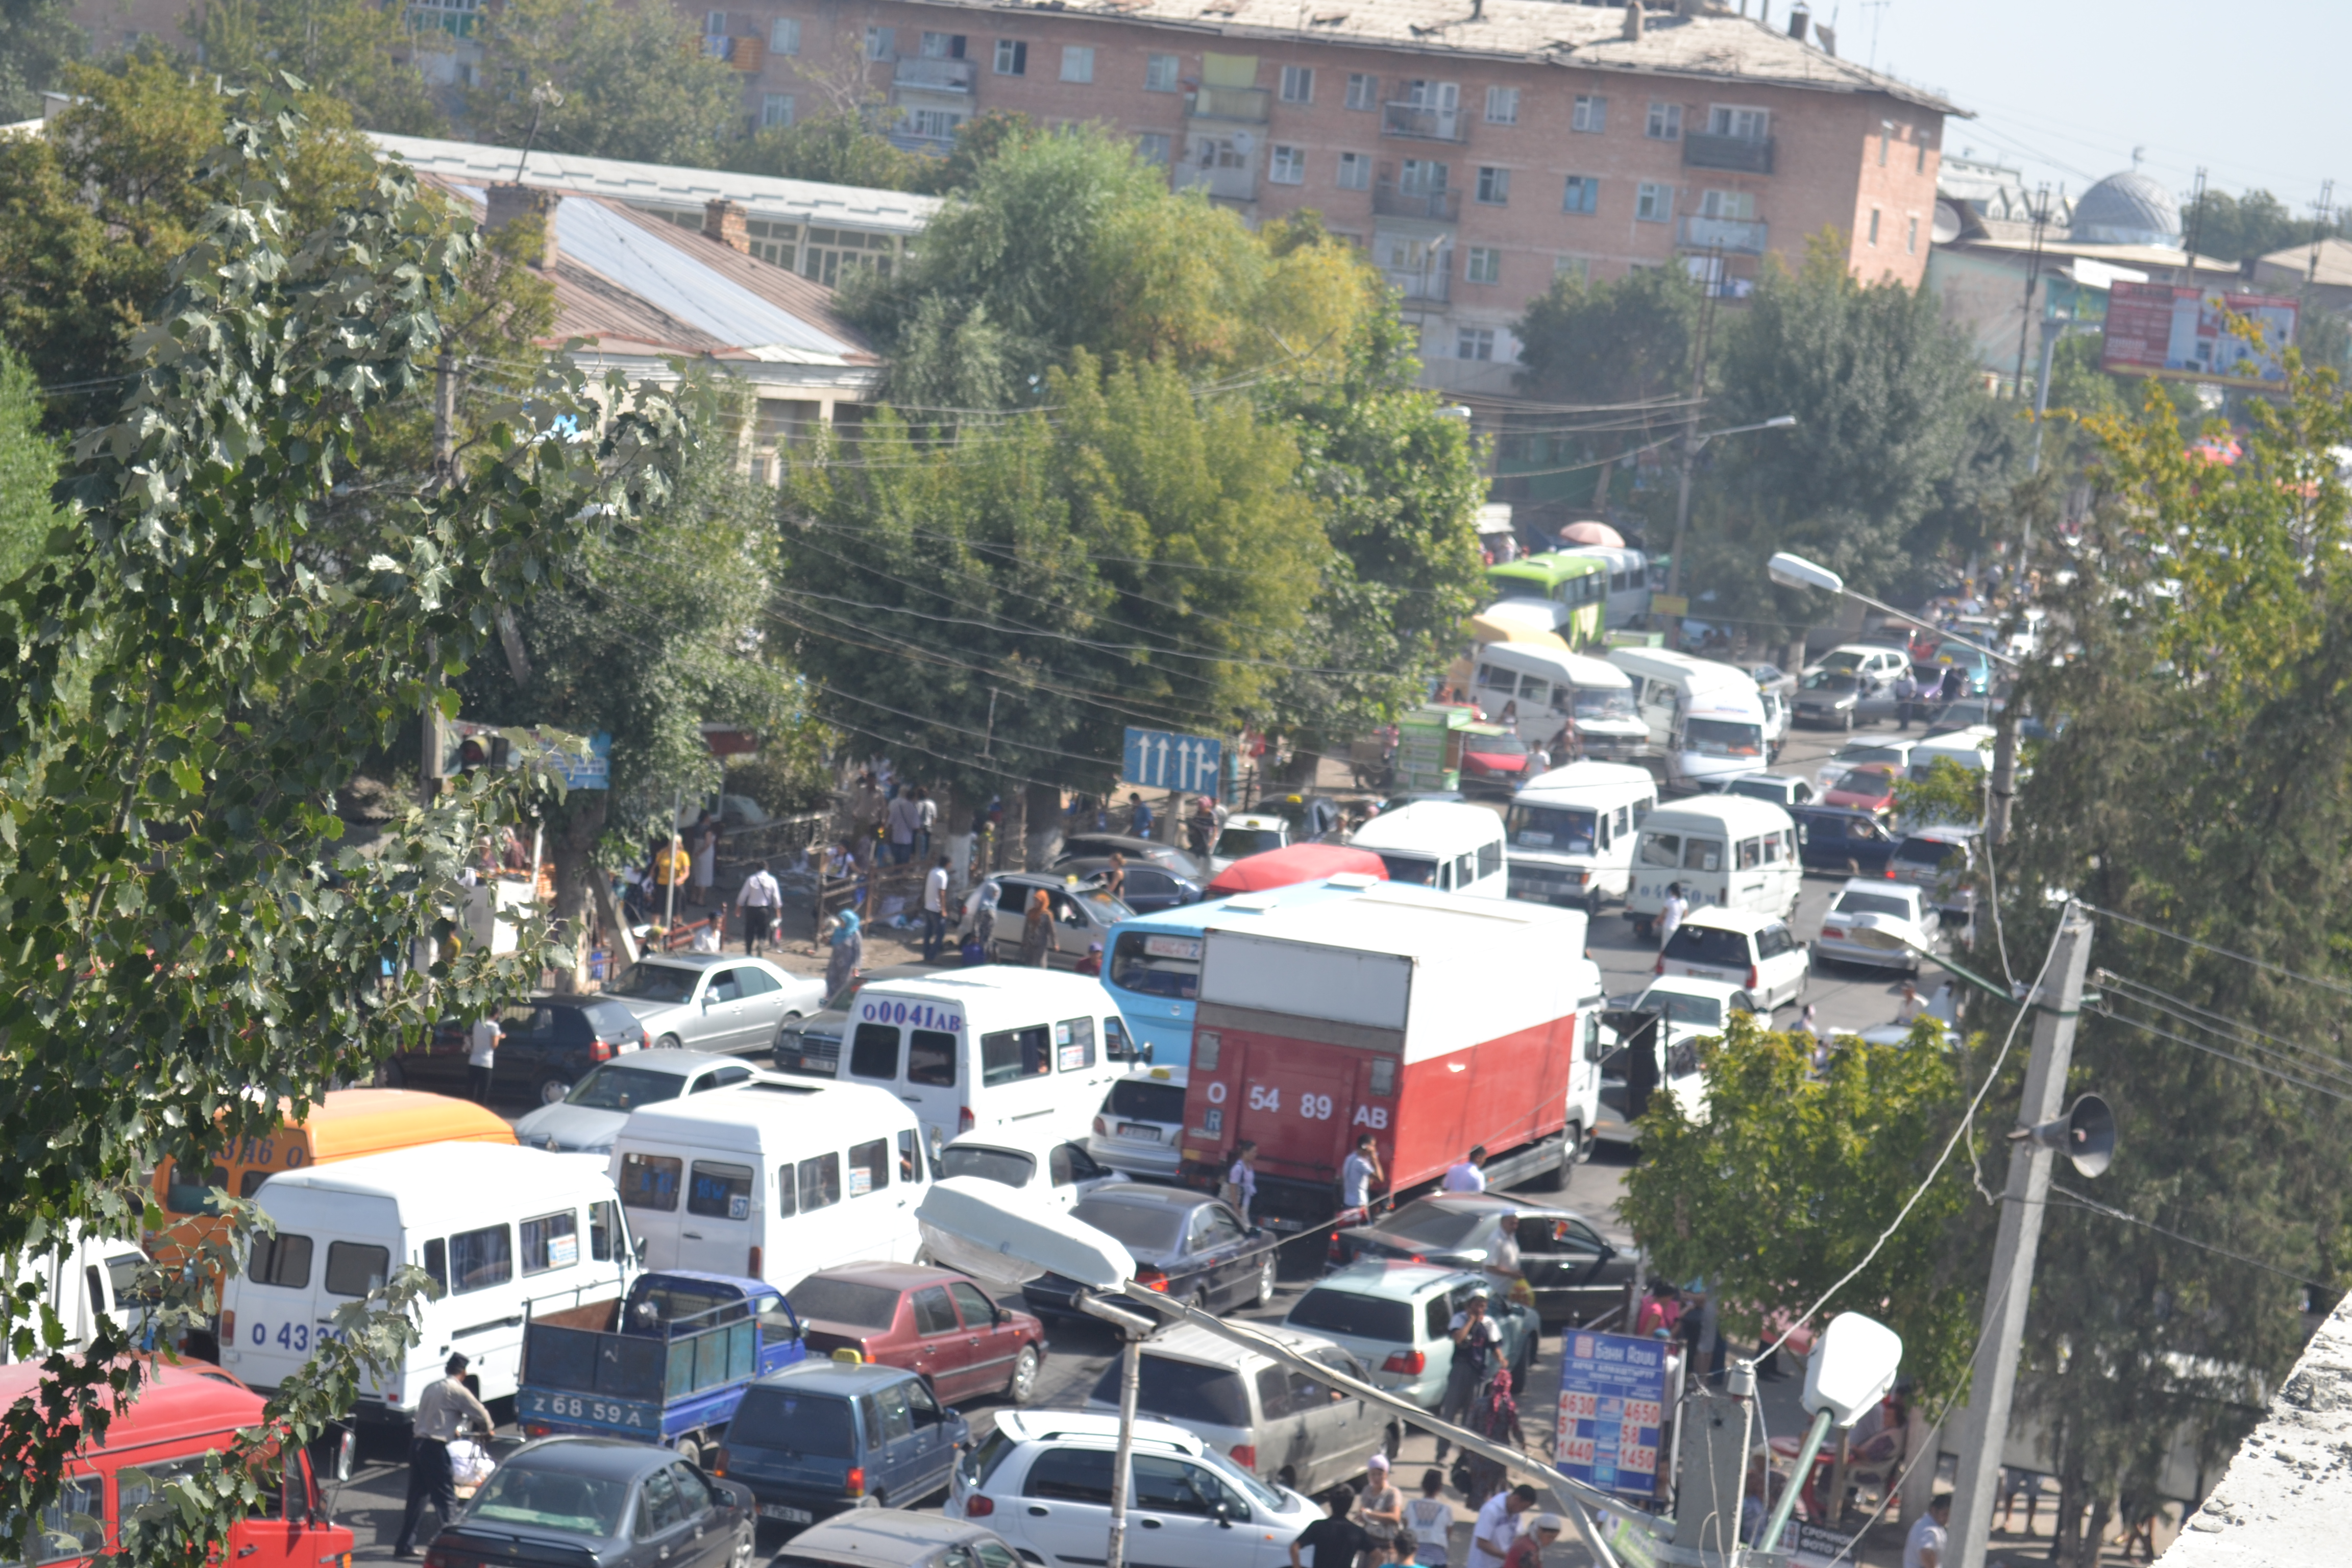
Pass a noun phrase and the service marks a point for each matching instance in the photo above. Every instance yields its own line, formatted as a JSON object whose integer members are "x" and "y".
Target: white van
{"x": 1728, "y": 849}
{"x": 1442, "y": 843}
{"x": 1543, "y": 687}
{"x": 1706, "y": 719}
{"x": 1571, "y": 832}
{"x": 1629, "y": 579}
{"x": 775, "y": 1181}
{"x": 1000, "y": 1046}
{"x": 507, "y": 1231}
{"x": 83, "y": 1278}
{"x": 1970, "y": 748}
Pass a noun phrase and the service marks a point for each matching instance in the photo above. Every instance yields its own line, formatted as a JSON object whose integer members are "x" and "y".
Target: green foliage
{"x": 635, "y": 81}
{"x": 839, "y": 149}
{"x": 29, "y": 466}
{"x": 1950, "y": 794}
{"x": 1786, "y": 1184}
{"x": 355, "y": 52}
{"x": 1629, "y": 341}
{"x": 187, "y": 942}
{"x": 37, "y": 41}
{"x": 2235, "y": 228}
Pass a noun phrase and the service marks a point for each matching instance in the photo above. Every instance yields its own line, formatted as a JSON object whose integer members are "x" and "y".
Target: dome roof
{"x": 2129, "y": 208}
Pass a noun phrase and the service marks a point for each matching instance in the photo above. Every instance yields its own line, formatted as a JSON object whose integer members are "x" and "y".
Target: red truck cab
{"x": 182, "y": 1414}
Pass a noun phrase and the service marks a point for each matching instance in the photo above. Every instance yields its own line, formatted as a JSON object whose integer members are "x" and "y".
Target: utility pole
{"x": 1985, "y": 1427}
{"x": 2322, "y": 212}
{"x": 2196, "y": 219}
{"x": 2032, "y": 279}
{"x": 1690, "y": 442}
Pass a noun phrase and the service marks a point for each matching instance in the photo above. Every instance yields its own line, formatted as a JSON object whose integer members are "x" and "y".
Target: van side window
{"x": 551, "y": 1241}
{"x": 787, "y": 1195}
{"x": 436, "y": 1262}
{"x": 1642, "y": 808}
{"x": 250, "y": 1183}
{"x": 874, "y": 1051}
{"x": 1463, "y": 872}
{"x": 1773, "y": 941}
{"x": 930, "y": 1057}
{"x": 480, "y": 1259}
{"x": 183, "y": 1196}
{"x": 604, "y": 1230}
{"x": 820, "y": 1182}
{"x": 354, "y": 1268}
{"x": 1445, "y": 876}
{"x": 651, "y": 1181}
{"x": 910, "y": 1156}
{"x": 1750, "y": 853}
{"x": 719, "y": 1191}
{"x": 869, "y": 1167}
{"x": 74, "y": 1525}
{"x": 1490, "y": 858}
{"x": 1702, "y": 854}
{"x": 1009, "y": 1055}
{"x": 280, "y": 1259}
{"x": 1662, "y": 849}
{"x": 1074, "y": 1045}
{"x": 1115, "y": 1043}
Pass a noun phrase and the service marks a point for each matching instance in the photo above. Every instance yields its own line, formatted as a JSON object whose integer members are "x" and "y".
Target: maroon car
{"x": 931, "y": 1321}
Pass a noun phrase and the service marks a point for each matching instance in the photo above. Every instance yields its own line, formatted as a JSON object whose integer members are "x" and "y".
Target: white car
{"x": 714, "y": 1001}
{"x": 1873, "y": 662}
{"x": 1052, "y": 1171}
{"x": 1042, "y": 1480}
{"x": 1695, "y": 1010}
{"x": 1746, "y": 948}
{"x": 1250, "y": 833}
{"x": 1858, "y": 754}
{"x": 1880, "y": 924}
{"x": 1140, "y": 1123}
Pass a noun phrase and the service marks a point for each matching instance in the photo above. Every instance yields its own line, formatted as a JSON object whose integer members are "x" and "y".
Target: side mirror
{"x": 1224, "y": 1516}
{"x": 639, "y": 1250}
{"x": 343, "y": 1451}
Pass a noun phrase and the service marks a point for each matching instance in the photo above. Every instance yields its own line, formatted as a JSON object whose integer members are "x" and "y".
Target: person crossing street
{"x": 446, "y": 1412}
{"x": 759, "y": 899}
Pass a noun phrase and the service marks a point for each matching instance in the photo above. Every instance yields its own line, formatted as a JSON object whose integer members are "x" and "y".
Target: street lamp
{"x": 1692, "y": 445}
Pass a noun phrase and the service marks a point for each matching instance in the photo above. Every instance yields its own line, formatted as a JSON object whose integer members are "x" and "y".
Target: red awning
{"x": 1296, "y": 863}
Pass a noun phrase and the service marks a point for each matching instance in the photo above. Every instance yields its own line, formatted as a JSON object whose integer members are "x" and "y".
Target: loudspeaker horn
{"x": 2085, "y": 1135}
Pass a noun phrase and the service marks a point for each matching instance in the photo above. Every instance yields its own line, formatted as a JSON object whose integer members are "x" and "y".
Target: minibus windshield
{"x": 1409, "y": 868}
{"x": 1615, "y": 702}
{"x": 1156, "y": 963}
{"x": 1724, "y": 737}
{"x": 1568, "y": 829}
{"x": 613, "y": 1087}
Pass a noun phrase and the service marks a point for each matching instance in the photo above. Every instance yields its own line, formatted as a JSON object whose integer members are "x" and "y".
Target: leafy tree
{"x": 358, "y": 53}
{"x": 1784, "y": 1188}
{"x": 840, "y": 148}
{"x": 37, "y": 41}
{"x": 1629, "y": 341}
{"x": 188, "y": 942}
{"x": 636, "y": 82}
{"x": 1950, "y": 794}
{"x": 29, "y": 467}
{"x": 2234, "y": 228}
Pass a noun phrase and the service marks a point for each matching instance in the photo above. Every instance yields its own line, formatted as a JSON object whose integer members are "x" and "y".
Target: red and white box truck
{"x": 1436, "y": 1023}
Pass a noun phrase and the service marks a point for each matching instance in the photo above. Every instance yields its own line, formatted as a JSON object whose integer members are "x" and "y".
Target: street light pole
{"x": 1693, "y": 444}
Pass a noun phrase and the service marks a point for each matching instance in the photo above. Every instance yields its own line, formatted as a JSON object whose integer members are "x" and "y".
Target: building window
{"x": 775, "y": 109}
{"x": 714, "y": 24}
{"x": 1737, "y": 205}
{"x": 1297, "y": 84}
{"x": 1592, "y": 114}
{"x": 1355, "y": 171}
{"x": 943, "y": 45}
{"x": 1911, "y": 239}
{"x": 1502, "y": 106}
{"x": 1363, "y": 91}
{"x": 1421, "y": 176}
{"x": 784, "y": 35}
{"x": 1152, "y": 148}
{"x": 1885, "y": 139}
{"x": 1873, "y": 226}
{"x": 1160, "y": 73}
{"x": 1582, "y": 195}
{"x": 1494, "y": 186}
{"x": 1665, "y": 123}
{"x": 1473, "y": 342}
{"x": 881, "y": 43}
{"x": 1077, "y": 63}
{"x": 1578, "y": 268}
{"x": 937, "y": 124}
{"x": 1484, "y": 263}
{"x": 1653, "y": 203}
{"x": 1287, "y": 166}
{"x": 1747, "y": 125}
{"x": 1012, "y": 58}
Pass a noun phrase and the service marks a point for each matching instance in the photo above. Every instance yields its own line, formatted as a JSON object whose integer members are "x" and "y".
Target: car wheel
{"x": 744, "y": 1551}
{"x": 552, "y": 1091}
{"x": 1022, "y": 1386}
{"x": 689, "y": 1450}
{"x": 668, "y": 1043}
{"x": 1197, "y": 1301}
{"x": 1266, "y": 1282}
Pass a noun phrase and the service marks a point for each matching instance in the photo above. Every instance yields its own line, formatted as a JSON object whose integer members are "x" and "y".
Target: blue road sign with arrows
{"x": 1159, "y": 760}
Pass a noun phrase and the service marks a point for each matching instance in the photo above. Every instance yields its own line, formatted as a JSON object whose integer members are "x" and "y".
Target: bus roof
{"x": 1732, "y": 813}
{"x": 1682, "y": 668}
{"x": 455, "y": 1171}
{"x": 1550, "y": 569}
{"x": 829, "y": 1111}
{"x": 1417, "y": 828}
{"x": 1575, "y": 669}
{"x": 348, "y": 1123}
{"x": 1417, "y": 922}
{"x": 1578, "y": 778}
{"x": 1191, "y": 919}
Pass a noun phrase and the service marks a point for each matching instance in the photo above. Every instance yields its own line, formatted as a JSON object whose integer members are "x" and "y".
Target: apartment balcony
{"x": 1426, "y": 288}
{"x": 740, "y": 54}
{"x": 1741, "y": 154}
{"x": 1411, "y": 121}
{"x": 910, "y": 142}
{"x": 1733, "y": 236}
{"x": 1246, "y": 105}
{"x": 922, "y": 75}
{"x": 1228, "y": 184}
{"x": 1389, "y": 201}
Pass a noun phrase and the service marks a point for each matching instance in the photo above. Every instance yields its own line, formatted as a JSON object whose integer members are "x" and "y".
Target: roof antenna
{"x": 541, "y": 96}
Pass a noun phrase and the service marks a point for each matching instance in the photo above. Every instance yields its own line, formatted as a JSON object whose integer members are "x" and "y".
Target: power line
{"x": 1009, "y": 742}
{"x": 2142, "y": 1025}
{"x": 2309, "y": 1057}
{"x": 2336, "y": 985}
{"x": 2084, "y": 1201}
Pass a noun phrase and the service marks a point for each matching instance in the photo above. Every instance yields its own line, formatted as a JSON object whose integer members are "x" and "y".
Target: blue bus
{"x": 1153, "y": 967}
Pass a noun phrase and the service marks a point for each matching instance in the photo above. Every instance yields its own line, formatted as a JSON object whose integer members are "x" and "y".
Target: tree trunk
{"x": 1043, "y": 839}
{"x": 1013, "y": 832}
{"x": 1600, "y": 485}
{"x": 572, "y": 846}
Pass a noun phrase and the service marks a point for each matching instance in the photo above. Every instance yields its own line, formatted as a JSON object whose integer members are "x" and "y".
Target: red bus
{"x": 182, "y": 1414}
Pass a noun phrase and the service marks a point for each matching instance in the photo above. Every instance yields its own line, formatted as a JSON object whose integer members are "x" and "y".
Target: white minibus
{"x": 999, "y": 1046}
{"x": 506, "y": 1232}
{"x": 1542, "y": 689}
{"x": 774, "y": 1180}
{"x": 1629, "y": 579}
{"x": 83, "y": 1278}
{"x": 1442, "y": 843}
{"x": 1728, "y": 849}
{"x": 1706, "y": 719}
{"x": 1571, "y": 832}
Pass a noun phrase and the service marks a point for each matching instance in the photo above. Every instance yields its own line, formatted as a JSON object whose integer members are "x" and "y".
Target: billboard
{"x": 2187, "y": 333}
{"x": 1612, "y": 1407}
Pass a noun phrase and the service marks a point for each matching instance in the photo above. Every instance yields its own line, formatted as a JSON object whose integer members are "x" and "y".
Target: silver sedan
{"x": 714, "y": 1002}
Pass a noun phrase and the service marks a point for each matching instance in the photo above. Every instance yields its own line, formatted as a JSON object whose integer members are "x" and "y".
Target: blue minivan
{"x": 823, "y": 1437}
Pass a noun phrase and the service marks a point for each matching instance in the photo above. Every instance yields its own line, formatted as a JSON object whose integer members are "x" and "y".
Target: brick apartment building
{"x": 1479, "y": 148}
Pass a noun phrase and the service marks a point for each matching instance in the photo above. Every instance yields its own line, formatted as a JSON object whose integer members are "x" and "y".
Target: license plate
{"x": 789, "y": 1515}
{"x": 819, "y": 1064}
{"x": 1138, "y": 1129}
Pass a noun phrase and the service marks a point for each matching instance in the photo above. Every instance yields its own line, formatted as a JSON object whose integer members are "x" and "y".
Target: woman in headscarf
{"x": 1037, "y": 930}
{"x": 848, "y": 953}
{"x": 1494, "y": 1417}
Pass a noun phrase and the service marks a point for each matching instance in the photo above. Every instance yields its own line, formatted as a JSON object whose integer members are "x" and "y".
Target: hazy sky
{"x": 2066, "y": 89}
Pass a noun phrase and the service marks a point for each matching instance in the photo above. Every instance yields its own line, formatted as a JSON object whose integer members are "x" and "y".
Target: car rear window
{"x": 1358, "y": 1317}
{"x": 1432, "y": 1225}
{"x": 615, "y": 1088}
{"x": 1181, "y": 1391}
{"x": 1927, "y": 851}
{"x": 814, "y": 1426}
{"x": 613, "y": 1021}
{"x": 1873, "y": 904}
{"x": 1145, "y": 1101}
{"x": 845, "y": 1301}
{"x": 1009, "y": 1166}
{"x": 1709, "y": 945}
{"x": 1154, "y": 1228}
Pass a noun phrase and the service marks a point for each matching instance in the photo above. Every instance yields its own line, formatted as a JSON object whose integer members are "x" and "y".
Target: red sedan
{"x": 1870, "y": 787}
{"x": 1493, "y": 756}
{"x": 931, "y": 1321}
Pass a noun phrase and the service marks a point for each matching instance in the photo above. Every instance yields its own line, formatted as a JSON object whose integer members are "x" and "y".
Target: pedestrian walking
{"x": 1908, "y": 1009}
{"x": 1359, "y": 1172}
{"x": 673, "y": 864}
{"x": 927, "y": 818}
{"x": 1809, "y": 1026}
{"x": 1906, "y": 697}
{"x": 1498, "y": 1525}
{"x": 1493, "y": 1415}
{"x": 759, "y": 901}
{"x": 1923, "y": 1546}
{"x": 906, "y": 819}
{"x": 1037, "y": 930}
{"x": 481, "y": 1056}
{"x": 1379, "y": 1511}
{"x": 704, "y": 844}
{"x": 1202, "y": 828}
{"x": 935, "y": 911}
{"x": 848, "y": 953}
{"x": 446, "y": 1412}
{"x": 1138, "y": 816}
{"x": 1467, "y": 1174}
{"x": 1333, "y": 1541}
{"x": 1671, "y": 913}
{"x": 1478, "y": 1344}
{"x": 1240, "y": 1188}
{"x": 1429, "y": 1521}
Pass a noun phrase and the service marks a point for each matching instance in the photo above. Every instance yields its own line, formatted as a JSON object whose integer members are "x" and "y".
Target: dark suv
{"x": 550, "y": 1043}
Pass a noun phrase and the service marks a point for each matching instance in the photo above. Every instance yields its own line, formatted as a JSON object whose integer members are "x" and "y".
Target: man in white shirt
{"x": 935, "y": 911}
{"x": 1671, "y": 913}
{"x": 1358, "y": 1172}
{"x": 1911, "y": 1006}
{"x": 482, "y": 1056}
{"x": 758, "y": 901}
{"x": 1498, "y": 1526}
{"x": 1923, "y": 1547}
{"x": 1503, "y": 1270}
{"x": 1466, "y": 1177}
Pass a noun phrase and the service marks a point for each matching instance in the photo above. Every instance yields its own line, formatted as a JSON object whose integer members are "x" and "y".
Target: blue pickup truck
{"x": 667, "y": 1364}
